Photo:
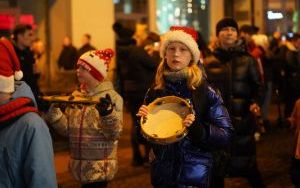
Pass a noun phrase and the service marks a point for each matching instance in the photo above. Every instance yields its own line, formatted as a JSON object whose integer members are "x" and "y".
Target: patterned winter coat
{"x": 93, "y": 138}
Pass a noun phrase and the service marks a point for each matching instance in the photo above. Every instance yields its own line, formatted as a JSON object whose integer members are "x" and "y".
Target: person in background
{"x": 26, "y": 151}
{"x": 292, "y": 66}
{"x": 86, "y": 44}
{"x": 38, "y": 49}
{"x": 262, "y": 42}
{"x": 93, "y": 129}
{"x": 246, "y": 33}
{"x": 203, "y": 47}
{"x": 124, "y": 35}
{"x": 188, "y": 162}
{"x": 242, "y": 91}
{"x": 212, "y": 44}
{"x": 152, "y": 44}
{"x": 23, "y": 38}
{"x": 275, "y": 41}
{"x": 295, "y": 125}
{"x": 68, "y": 56}
{"x": 137, "y": 70}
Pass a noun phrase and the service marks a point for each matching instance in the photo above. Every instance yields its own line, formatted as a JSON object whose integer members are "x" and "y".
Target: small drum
{"x": 69, "y": 99}
{"x": 163, "y": 124}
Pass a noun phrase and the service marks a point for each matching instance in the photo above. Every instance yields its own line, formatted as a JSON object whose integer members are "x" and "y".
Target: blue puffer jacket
{"x": 26, "y": 153}
{"x": 189, "y": 162}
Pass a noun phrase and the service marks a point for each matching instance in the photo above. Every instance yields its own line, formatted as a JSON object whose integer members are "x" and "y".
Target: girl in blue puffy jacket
{"x": 189, "y": 161}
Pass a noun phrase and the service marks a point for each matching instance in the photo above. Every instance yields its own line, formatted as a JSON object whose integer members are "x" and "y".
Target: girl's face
{"x": 83, "y": 75}
{"x": 178, "y": 56}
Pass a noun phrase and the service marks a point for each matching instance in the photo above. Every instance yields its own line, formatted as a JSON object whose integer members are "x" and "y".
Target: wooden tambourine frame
{"x": 163, "y": 124}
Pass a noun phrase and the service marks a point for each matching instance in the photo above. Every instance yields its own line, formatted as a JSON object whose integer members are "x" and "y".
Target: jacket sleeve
{"x": 215, "y": 130}
{"x": 58, "y": 120}
{"x": 38, "y": 170}
{"x": 257, "y": 90}
{"x": 113, "y": 123}
{"x": 212, "y": 129}
{"x": 218, "y": 128}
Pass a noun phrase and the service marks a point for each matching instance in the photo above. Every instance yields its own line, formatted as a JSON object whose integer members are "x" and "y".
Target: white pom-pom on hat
{"x": 18, "y": 75}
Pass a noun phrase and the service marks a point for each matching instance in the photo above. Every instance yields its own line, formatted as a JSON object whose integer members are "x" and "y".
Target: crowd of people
{"x": 229, "y": 85}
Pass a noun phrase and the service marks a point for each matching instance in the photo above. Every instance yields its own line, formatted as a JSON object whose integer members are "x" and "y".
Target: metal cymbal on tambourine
{"x": 164, "y": 123}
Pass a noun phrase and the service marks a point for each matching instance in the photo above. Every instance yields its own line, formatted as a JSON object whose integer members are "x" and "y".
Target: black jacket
{"x": 68, "y": 58}
{"x": 85, "y": 48}
{"x": 240, "y": 85}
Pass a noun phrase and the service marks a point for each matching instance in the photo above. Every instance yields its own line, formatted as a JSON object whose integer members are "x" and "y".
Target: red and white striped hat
{"x": 96, "y": 62}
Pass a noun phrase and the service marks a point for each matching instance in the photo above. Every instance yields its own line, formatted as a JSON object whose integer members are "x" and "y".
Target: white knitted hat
{"x": 96, "y": 62}
{"x": 185, "y": 35}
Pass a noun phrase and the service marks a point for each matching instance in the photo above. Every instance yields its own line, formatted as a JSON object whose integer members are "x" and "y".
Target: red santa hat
{"x": 10, "y": 68}
{"x": 185, "y": 35}
{"x": 96, "y": 62}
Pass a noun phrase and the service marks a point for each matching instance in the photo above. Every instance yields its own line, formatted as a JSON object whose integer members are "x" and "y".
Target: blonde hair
{"x": 194, "y": 77}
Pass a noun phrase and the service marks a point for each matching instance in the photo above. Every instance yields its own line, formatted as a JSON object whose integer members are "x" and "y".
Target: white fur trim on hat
{"x": 7, "y": 84}
{"x": 180, "y": 36}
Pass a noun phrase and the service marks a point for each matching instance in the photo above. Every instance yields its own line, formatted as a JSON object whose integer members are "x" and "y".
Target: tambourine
{"x": 69, "y": 99}
{"x": 164, "y": 123}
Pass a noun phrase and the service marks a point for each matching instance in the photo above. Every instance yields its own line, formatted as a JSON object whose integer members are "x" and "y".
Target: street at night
{"x": 219, "y": 78}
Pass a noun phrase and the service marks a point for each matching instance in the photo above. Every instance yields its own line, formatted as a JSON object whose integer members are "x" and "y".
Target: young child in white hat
{"x": 93, "y": 129}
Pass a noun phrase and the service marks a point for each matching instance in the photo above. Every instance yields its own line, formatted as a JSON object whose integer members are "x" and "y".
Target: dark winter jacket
{"x": 138, "y": 68}
{"x": 192, "y": 155}
{"x": 240, "y": 86}
{"x": 68, "y": 58}
{"x": 27, "y": 61}
{"x": 293, "y": 68}
{"x": 85, "y": 48}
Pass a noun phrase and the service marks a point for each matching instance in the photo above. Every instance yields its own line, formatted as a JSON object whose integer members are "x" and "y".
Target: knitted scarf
{"x": 174, "y": 76}
{"x": 16, "y": 108}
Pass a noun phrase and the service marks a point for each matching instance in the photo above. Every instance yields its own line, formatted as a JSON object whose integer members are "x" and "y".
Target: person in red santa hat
{"x": 93, "y": 129}
{"x": 187, "y": 162}
{"x": 26, "y": 152}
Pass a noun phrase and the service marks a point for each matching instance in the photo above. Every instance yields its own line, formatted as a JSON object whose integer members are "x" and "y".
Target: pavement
{"x": 274, "y": 152}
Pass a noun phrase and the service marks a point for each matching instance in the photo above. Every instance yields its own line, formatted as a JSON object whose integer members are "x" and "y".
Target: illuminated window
{"x": 192, "y": 13}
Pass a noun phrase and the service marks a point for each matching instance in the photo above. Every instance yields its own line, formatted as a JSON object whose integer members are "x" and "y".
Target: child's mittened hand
{"x": 189, "y": 119}
{"x": 105, "y": 106}
{"x": 54, "y": 113}
{"x": 143, "y": 111}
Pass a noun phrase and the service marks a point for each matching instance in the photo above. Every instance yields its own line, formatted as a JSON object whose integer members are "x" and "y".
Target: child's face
{"x": 83, "y": 74}
{"x": 178, "y": 56}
